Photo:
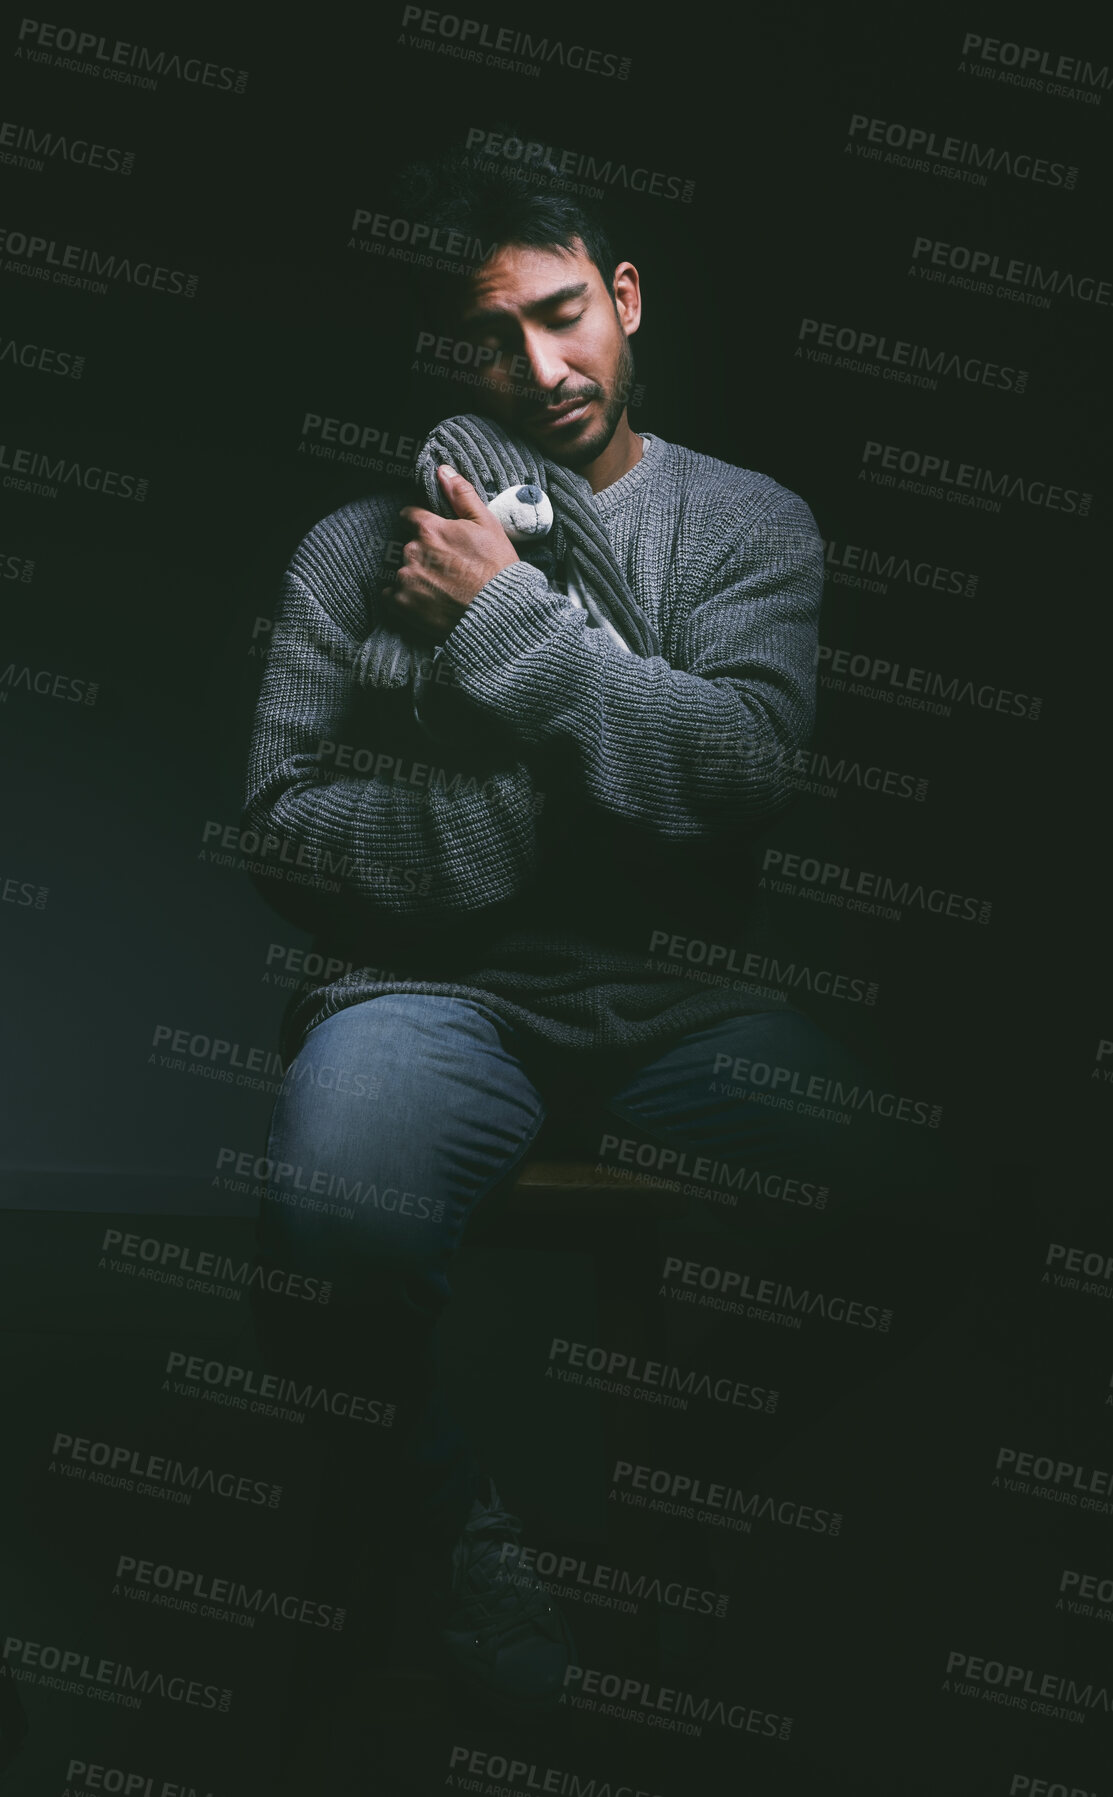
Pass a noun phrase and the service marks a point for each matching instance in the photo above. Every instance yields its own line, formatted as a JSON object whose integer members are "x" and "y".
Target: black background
{"x": 205, "y": 397}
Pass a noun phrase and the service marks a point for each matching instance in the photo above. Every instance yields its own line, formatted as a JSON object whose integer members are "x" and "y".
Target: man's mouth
{"x": 569, "y": 413}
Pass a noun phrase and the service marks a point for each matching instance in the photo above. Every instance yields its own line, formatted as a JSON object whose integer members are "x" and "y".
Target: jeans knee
{"x": 391, "y": 1237}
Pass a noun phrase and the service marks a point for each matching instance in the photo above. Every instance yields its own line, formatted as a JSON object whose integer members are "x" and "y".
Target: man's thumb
{"x": 462, "y": 496}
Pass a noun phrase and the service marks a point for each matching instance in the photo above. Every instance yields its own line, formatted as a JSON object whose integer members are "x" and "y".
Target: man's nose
{"x": 546, "y": 364}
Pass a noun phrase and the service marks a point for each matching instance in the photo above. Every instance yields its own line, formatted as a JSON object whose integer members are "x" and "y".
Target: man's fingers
{"x": 464, "y": 499}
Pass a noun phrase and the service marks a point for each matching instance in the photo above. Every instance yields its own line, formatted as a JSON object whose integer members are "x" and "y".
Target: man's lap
{"x": 455, "y": 1098}
{"x": 769, "y": 1106}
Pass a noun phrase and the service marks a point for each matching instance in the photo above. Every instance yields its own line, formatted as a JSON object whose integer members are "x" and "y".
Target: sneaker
{"x": 504, "y": 1637}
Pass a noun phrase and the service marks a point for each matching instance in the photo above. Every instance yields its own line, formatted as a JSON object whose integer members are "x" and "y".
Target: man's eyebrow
{"x": 492, "y": 314}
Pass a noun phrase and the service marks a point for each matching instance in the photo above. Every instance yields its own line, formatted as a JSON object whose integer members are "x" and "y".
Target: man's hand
{"x": 448, "y": 560}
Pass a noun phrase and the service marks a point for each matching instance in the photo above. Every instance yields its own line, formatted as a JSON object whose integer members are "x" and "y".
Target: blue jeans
{"x": 402, "y": 1114}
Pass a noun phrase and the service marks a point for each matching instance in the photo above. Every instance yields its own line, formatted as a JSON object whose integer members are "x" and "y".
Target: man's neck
{"x": 623, "y": 452}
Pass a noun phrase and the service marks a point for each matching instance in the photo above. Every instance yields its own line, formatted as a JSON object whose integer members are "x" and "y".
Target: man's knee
{"x": 382, "y": 1231}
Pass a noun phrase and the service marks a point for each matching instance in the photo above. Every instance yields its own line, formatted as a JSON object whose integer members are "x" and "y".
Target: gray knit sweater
{"x": 523, "y": 836}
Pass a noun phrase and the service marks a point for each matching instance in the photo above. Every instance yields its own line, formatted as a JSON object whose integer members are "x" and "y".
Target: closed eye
{"x": 562, "y": 324}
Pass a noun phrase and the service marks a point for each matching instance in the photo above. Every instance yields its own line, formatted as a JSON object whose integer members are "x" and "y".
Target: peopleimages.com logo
{"x": 505, "y": 46}
{"x": 1064, "y": 77}
{"x": 875, "y": 676}
{"x": 1025, "y": 1687}
{"x": 680, "y": 1712}
{"x": 122, "y": 1466}
{"x": 91, "y": 1775}
{"x": 86, "y": 1675}
{"x": 41, "y": 259}
{"x": 957, "y": 158}
{"x": 30, "y": 147}
{"x": 857, "y": 565}
{"x": 199, "y": 1592}
{"x": 786, "y": 872}
{"x": 899, "y": 359}
{"x": 995, "y": 272}
{"x": 532, "y": 1777}
{"x": 557, "y": 165}
{"x": 44, "y": 473}
{"x": 965, "y": 482}
{"x": 132, "y": 65}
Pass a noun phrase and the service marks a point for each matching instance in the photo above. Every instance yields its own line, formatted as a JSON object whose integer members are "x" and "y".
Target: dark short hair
{"x": 492, "y": 207}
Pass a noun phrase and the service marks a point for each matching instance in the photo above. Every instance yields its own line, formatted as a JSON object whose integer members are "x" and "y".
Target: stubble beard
{"x": 615, "y": 403}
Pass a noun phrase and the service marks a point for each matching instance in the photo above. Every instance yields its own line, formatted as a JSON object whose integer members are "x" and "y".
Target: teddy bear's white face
{"x": 525, "y": 513}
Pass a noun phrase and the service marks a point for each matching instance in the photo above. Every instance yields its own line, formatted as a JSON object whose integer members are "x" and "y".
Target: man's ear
{"x": 626, "y": 292}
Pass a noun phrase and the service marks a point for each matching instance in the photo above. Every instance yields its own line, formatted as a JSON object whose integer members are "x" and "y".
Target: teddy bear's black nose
{"x": 530, "y": 495}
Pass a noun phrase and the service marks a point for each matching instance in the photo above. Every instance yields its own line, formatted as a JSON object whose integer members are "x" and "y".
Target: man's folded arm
{"x": 456, "y": 842}
{"x": 693, "y": 751}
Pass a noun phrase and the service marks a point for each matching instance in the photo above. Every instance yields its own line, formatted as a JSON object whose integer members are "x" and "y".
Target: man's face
{"x": 563, "y": 370}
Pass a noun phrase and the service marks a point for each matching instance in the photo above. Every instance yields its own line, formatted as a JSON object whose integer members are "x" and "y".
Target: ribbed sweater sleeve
{"x": 689, "y": 750}
{"x": 437, "y": 839}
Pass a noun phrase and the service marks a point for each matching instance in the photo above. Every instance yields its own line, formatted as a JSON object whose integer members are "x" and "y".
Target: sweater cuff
{"x": 515, "y": 612}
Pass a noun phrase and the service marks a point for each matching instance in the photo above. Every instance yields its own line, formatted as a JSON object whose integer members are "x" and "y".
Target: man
{"x": 501, "y": 842}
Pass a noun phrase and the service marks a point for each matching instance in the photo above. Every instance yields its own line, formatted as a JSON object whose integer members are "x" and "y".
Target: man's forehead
{"x": 520, "y": 276}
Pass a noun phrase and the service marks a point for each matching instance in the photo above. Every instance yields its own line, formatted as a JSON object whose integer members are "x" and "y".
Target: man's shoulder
{"x": 725, "y": 503}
